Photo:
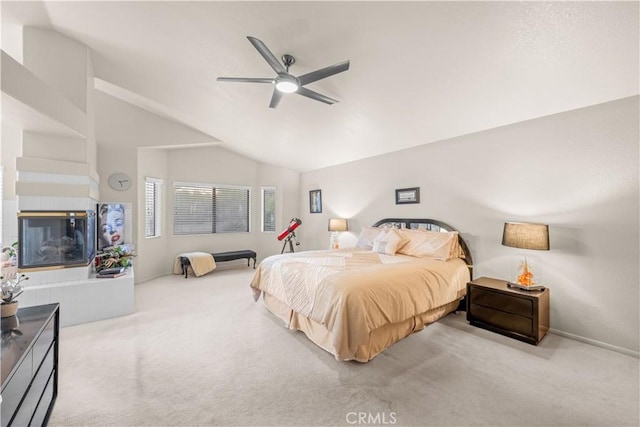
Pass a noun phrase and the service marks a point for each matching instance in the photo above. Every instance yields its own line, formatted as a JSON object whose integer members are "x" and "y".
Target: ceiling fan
{"x": 286, "y": 82}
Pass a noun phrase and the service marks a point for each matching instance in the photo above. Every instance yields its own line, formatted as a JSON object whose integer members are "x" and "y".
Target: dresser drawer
{"x": 42, "y": 344}
{"x": 498, "y": 301}
{"x": 30, "y": 401}
{"x": 43, "y": 406}
{"x": 502, "y": 320}
{"x": 16, "y": 388}
{"x": 29, "y": 366}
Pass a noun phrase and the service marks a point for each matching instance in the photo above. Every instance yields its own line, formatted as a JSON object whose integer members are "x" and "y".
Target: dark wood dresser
{"x": 519, "y": 314}
{"x": 29, "y": 365}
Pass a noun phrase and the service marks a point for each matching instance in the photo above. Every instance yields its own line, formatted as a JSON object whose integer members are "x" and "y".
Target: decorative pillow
{"x": 365, "y": 240}
{"x": 388, "y": 242}
{"x": 431, "y": 244}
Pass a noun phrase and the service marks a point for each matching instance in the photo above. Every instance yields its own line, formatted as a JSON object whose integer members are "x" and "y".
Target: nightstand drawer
{"x": 498, "y": 301}
{"x": 500, "y": 319}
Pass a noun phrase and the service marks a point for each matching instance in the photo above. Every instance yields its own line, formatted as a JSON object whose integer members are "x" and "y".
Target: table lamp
{"x": 337, "y": 225}
{"x": 525, "y": 235}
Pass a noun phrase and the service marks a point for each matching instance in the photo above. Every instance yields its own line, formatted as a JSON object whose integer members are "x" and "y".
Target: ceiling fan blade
{"x": 324, "y": 72}
{"x": 245, "y": 79}
{"x": 315, "y": 95}
{"x": 267, "y": 55}
{"x": 275, "y": 98}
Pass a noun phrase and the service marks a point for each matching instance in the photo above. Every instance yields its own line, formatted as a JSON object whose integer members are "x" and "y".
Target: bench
{"x": 224, "y": 256}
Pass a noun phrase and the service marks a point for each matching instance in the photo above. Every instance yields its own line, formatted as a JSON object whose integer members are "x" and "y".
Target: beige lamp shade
{"x": 338, "y": 224}
{"x": 526, "y": 235}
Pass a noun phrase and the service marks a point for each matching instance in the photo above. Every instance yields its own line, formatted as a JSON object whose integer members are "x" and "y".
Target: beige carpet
{"x": 199, "y": 351}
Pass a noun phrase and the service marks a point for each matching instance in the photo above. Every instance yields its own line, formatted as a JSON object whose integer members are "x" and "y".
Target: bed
{"x": 355, "y": 302}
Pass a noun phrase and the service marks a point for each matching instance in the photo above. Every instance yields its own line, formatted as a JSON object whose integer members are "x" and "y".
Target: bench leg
{"x": 254, "y": 263}
{"x": 185, "y": 266}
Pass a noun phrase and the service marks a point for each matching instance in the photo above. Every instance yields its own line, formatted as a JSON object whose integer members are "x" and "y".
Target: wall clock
{"x": 120, "y": 181}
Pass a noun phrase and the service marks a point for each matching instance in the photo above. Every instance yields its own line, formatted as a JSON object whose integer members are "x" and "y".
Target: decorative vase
{"x": 9, "y": 308}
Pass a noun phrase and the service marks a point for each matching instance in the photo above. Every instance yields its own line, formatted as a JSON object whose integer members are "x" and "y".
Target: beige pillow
{"x": 388, "y": 242}
{"x": 365, "y": 240}
{"x": 431, "y": 244}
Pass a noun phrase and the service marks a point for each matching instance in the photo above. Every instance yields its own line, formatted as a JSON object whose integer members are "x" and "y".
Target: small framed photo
{"x": 407, "y": 195}
{"x": 315, "y": 201}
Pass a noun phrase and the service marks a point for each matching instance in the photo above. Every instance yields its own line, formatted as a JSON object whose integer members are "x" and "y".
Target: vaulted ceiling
{"x": 420, "y": 71}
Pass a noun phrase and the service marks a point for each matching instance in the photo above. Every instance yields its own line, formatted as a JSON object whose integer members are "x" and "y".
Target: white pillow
{"x": 388, "y": 242}
{"x": 365, "y": 240}
{"x": 431, "y": 244}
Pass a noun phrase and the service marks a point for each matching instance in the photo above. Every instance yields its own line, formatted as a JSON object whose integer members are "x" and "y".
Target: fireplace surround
{"x": 51, "y": 240}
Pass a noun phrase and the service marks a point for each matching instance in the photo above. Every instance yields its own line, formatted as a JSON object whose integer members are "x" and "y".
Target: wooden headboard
{"x": 431, "y": 225}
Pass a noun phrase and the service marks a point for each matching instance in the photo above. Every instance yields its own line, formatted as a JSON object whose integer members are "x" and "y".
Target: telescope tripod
{"x": 290, "y": 237}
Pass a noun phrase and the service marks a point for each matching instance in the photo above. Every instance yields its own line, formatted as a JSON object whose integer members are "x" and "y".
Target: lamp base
{"x": 335, "y": 241}
{"x": 529, "y": 288}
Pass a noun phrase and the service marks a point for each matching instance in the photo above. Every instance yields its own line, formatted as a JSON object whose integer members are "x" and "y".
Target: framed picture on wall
{"x": 315, "y": 201}
{"x": 111, "y": 224}
{"x": 407, "y": 195}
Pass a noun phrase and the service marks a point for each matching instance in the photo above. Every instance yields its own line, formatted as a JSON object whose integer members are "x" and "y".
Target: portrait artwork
{"x": 111, "y": 225}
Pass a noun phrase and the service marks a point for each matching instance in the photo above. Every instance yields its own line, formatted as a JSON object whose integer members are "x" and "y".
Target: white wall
{"x": 214, "y": 165}
{"x": 10, "y": 149}
{"x": 576, "y": 171}
{"x": 287, "y": 184}
{"x": 152, "y": 252}
{"x": 59, "y": 61}
{"x": 113, "y": 160}
{"x": 130, "y": 140}
{"x": 217, "y": 165}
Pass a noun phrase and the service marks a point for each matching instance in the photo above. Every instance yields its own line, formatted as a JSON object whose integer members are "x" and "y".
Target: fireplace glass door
{"x": 55, "y": 239}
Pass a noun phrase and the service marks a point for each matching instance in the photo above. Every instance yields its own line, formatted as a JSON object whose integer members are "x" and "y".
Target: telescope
{"x": 295, "y": 223}
{"x": 288, "y": 234}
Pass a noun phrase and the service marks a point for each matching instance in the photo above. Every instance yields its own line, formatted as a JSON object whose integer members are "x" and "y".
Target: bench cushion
{"x": 232, "y": 255}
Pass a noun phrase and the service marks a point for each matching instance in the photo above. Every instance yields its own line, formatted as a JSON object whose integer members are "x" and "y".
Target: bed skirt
{"x": 379, "y": 339}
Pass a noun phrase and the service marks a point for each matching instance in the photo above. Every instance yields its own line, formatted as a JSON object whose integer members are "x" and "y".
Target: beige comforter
{"x": 353, "y": 292}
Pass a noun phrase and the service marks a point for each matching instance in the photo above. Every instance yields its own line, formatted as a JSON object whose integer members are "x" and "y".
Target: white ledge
{"x": 32, "y": 164}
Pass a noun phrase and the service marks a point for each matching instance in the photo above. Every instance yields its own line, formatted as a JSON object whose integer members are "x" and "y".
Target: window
{"x": 269, "y": 209}
{"x": 152, "y": 187}
{"x": 210, "y": 208}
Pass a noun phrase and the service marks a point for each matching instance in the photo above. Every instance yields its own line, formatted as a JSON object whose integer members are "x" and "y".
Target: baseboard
{"x": 617, "y": 349}
{"x": 157, "y": 276}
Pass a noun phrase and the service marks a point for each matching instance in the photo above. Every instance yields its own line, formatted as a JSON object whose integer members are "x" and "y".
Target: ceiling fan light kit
{"x": 286, "y": 82}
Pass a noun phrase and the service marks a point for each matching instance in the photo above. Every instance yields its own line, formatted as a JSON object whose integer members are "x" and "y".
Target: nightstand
{"x": 519, "y": 314}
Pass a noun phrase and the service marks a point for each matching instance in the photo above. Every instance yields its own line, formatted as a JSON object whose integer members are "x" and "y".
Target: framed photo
{"x": 111, "y": 225}
{"x": 315, "y": 201}
{"x": 407, "y": 195}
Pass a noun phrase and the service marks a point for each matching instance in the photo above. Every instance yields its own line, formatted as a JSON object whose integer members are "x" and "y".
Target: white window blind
{"x": 152, "y": 207}
{"x": 269, "y": 209}
{"x": 211, "y": 208}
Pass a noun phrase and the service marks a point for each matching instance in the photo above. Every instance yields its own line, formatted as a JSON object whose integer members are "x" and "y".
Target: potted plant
{"x": 113, "y": 257}
{"x": 11, "y": 289}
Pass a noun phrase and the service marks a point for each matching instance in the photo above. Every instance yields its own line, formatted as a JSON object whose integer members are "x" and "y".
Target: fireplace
{"x": 48, "y": 240}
